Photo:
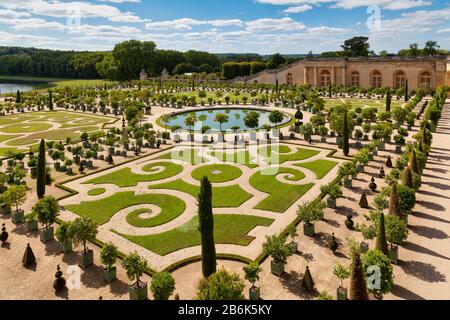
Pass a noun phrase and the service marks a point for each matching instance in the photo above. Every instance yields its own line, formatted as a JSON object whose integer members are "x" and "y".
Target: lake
{"x": 7, "y": 86}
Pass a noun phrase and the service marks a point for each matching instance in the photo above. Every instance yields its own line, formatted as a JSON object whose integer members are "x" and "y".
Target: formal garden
{"x": 102, "y": 169}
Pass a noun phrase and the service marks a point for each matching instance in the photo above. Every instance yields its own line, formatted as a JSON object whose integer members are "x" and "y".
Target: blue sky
{"x": 260, "y": 26}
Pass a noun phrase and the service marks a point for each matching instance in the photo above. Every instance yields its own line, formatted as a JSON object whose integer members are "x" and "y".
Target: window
{"x": 376, "y": 79}
{"x": 355, "y": 79}
{"x": 325, "y": 78}
{"x": 425, "y": 79}
{"x": 289, "y": 79}
{"x": 399, "y": 80}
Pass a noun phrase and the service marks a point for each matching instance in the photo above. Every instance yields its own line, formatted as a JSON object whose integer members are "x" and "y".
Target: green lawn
{"x": 126, "y": 178}
{"x": 187, "y": 155}
{"x": 319, "y": 167}
{"x": 96, "y": 192}
{"x": 217, "y": 173}
{"x": 228, "y": 229}
{"x": 102, "y": 210}
{"x": 26, "y": 127}
{"x": 363, "y": 103}
{"x": 279, "y": 154}
{"x": 281, "y": 195}
{"x": 223, "y": 197}
{"x": 240, "y": 157}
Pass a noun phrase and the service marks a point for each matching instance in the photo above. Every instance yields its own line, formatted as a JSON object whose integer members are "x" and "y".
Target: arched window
{"x": 355, "y": 79}
{"x": 376, "y": 80}
{"x": 325, "y": 78}
{"x": 289, "y": 79}
{"x": 425, "y": 79}
{"x": 399, "y": 80}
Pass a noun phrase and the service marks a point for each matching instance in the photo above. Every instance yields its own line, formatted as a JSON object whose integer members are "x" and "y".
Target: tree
{"x": 431, "y": 48}
{"x": 358, "y": 288}
{"x": 132, "y": 56}
{"x": 277, "y": 249}
{"x": 252, "y": 272}
{"x": 388, "y": 101}
{"x": 221, "y": 118}
{"x": 413, "y": 162}
{"x": 42, "y": 164}
{"x": 135, "y": 267}
{"x": 356, "y": 47}
{"x": 414, "y": 49}
{"x": 276, "y": 117}
{"x": 341, "y": 273}
{"x": 18, "y": 99}
{"x": 378, "y": 259}
{"x": 82, "y": 230}
{"x": 276, "y": 60}
{"x": 15, "y": 195}
{"x": 406, "y": 199}
{"x": 381, "y": 243}
{"x": 46, "y": 210}
{"x": 394, "y": 205}
{"x": 206, "y": 228}
{"x": 396, "y": 230}
{"x": 221, "y": 285}
{"x": 190, "y": 121}
{"x": 346, "y": 148}
{"x": 162, "y": 286}
{"x": 108, "y": 255}
{"x": 408, "y": 177}
{"x": 251, "y": 119}
{"x": 406, "y": 91}
{"x": 50, "y": 100}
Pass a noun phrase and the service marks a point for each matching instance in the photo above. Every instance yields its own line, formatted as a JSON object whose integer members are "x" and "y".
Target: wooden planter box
{"x": 46, "y": 235}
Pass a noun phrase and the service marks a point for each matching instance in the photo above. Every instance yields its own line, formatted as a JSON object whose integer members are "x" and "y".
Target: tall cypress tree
{"x": 40, "y": 185}
{"x": 358, "y": 287}
{"x": 330, "y": 91}
{"x": 50, "y": 100}
{"x": 394, "y": 205}
{"x": 206, "y": 227}
{"x": 276, "y": 86}
{"x": 408, "y": 178}
{"x": 413, "y": 162}
{"x": 18, "y": 99}
{"x": 406, "y": 91}
{"x": 388, "y": 101}
{"x": 345, "y": 136}
{"x": 381, "y": 243}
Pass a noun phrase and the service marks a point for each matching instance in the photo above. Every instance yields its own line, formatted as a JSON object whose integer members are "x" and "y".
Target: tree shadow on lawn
{"x": 305, "y": 255}
{"x": 423, "y": 215}
{"x": 418, "y": 248}
{"x": 343, "y": 210}
{"x": 437, "y": 185}
{"x": 423, "y": 271}
{"x": 431, "y": 205}
{"x": 435, "y": 177}
{"x": 432, "y": 194}
{"x": 332, "y": 223}
{"x": 404, "y": 293}
{"x": 293, "y": 283}
{"x": 428, "y": 232}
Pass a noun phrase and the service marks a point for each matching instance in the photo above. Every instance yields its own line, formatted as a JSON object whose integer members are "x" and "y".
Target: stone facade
{"x": 391, "y": 72}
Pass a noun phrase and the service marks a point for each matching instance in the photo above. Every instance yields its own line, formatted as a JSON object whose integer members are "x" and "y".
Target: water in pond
{"x": 235, "y": 119}
{"x": 12, "y": 87}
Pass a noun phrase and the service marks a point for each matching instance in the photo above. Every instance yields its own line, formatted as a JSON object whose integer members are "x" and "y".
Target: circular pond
{"x": 234, "y": 119}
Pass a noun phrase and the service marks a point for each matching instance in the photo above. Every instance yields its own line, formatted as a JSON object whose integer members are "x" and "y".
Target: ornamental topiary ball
{"x": 59, "y": 283}
{"x": 382, "y": 173}
{"x": 372, "y": 185}
{"x": 349, "y": 222}
{"x": 332, "y": 243}
{"x": 363, "y": 203}
{"x": 389, "y": 162}
{"x": 4, "y": 235}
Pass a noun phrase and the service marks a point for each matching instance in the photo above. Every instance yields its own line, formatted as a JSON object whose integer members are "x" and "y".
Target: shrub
{"x": 162, "y": 286}
{"x": 135, "y": 267}
{"x": 221, "y": 285}
{"x": 376, "y": 258}
{"x": 108, "y": 255}
{"x": 277, "y": 249}
{"x": 62, "y": 234}
{"x": 82, "y": 230}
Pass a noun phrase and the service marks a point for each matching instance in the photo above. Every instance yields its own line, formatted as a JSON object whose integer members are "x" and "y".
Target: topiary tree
{"x": 376, "y": 261}
{"x": 341, "y": 273}
{"x": 358, "y": 288}
{"x": 396, "y": 230}
{"x": 108, "y": 255}
{"x": 277, "y": 249}
{"x": 135, "y": 267}
{"x": 308, "y": 282}
{"x": 81, "y": 231}
{"x": 408, "y": 178}
{"x": 363, "y": 203}
{"x": 413, "y": 162}
{"x": 251, "y": 272}
{"x": 345, "y": 136}
{"x": 406, "y": 199}
{"x": 206, "y": 228}
{"x": 221, "y": 285}
{"x": 381, "y": 243}
{"x": 394, "y": 204}
{"x": 162, "y": 286}
{"x": 41, "y": 166}
{"x": 15, "y": 195}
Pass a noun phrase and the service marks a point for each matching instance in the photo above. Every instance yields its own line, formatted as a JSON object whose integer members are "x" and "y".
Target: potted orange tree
{"x": 80, "y": 231}
{"x": 252, "y": 275}
{"x": 341, "y": 273}
{"x": 135, "y": 267}
{"x": 108, "y": 256}
{"x": 279, "y": 252}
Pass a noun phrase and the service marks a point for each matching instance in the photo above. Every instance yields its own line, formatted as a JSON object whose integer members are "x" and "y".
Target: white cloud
{"x": 11, "y": 14}
{"x": 33, "y": 24}
{"x": 188, "y": 23}
{"x": 298, "y": 9}
{"x": 267, "y": 24}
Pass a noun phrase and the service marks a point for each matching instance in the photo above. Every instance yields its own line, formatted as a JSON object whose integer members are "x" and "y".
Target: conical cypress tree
{"x": 358, "y": 287}
{"x": 330, "y": 92}
{"x": 333, "y": 244}
{"x": 388, "y": 101}
{"x": 206, "y": 228}
{"x": 381, "y": 243}
{"x": 363, "y": 203}
{"x": 276, "y": 86}
{"x": 40, "y": 184}
{"x": 346, "y": 148}
{"x": 394, "y": 206}
{"x": 389, "y": 162}
{"x": 308, "y": 282}
{"x": 50, "y": 100}
{"x": 408, "y": 178}
{"x": 18, "y": 99}
{"x": 28, "y": 259}
{"x": 406, "y": 91}
{"x": 413, "y": 162}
